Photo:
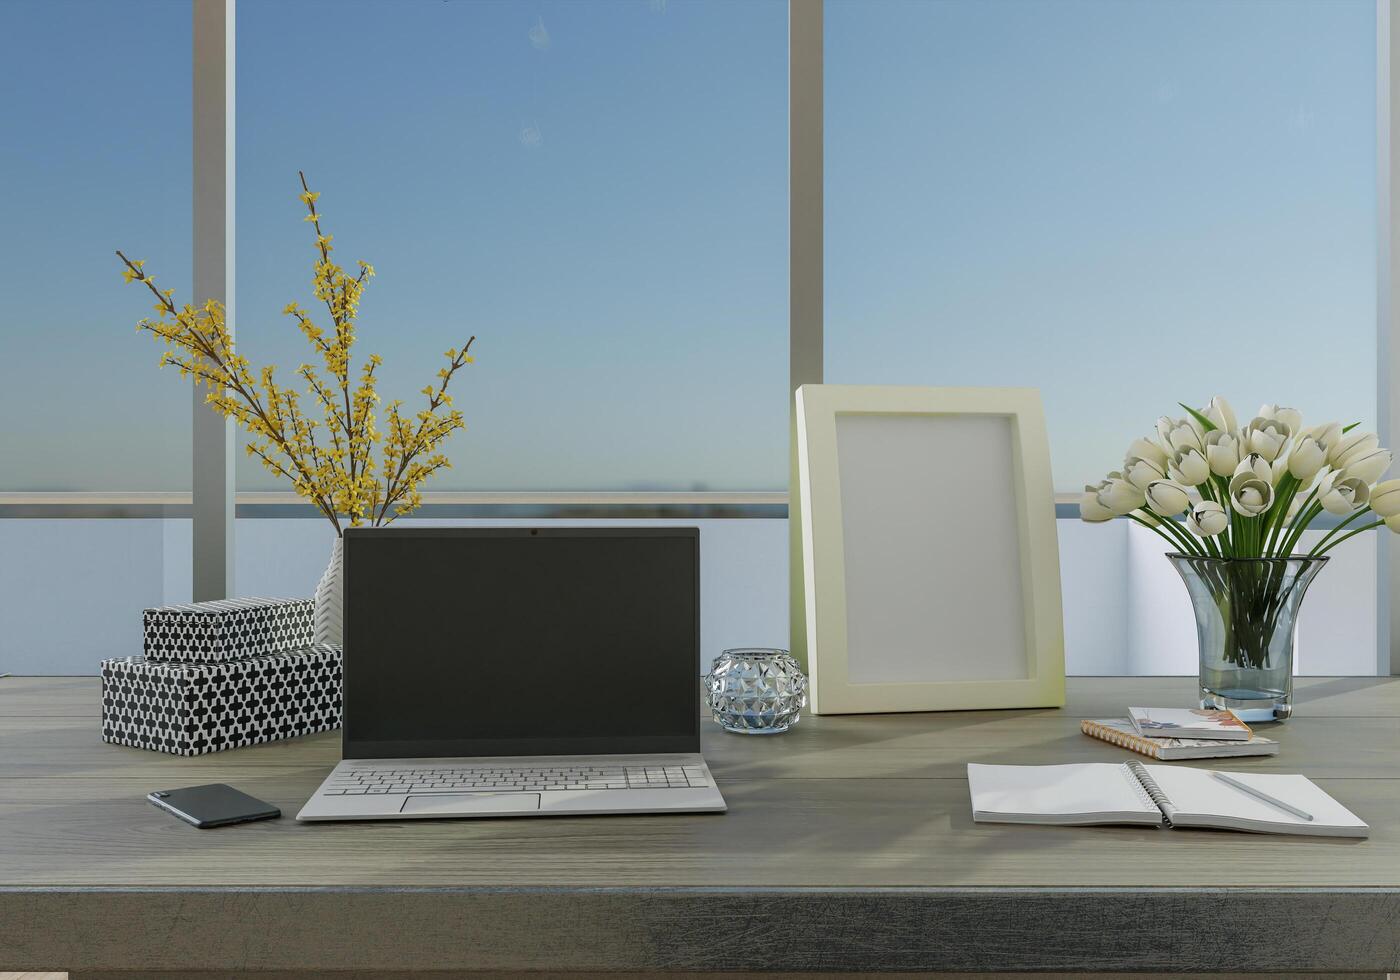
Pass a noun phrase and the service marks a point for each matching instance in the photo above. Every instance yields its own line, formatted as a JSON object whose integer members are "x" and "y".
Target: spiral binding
{"x": 1149, "y": 790}
{"x": 1135, "y": 743}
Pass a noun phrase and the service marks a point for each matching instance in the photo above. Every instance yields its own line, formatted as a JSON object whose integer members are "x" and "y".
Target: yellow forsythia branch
{"x": 338, "y": 474}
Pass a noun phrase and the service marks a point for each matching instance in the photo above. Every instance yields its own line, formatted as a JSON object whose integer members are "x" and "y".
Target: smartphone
{"x": 212, "y": 805}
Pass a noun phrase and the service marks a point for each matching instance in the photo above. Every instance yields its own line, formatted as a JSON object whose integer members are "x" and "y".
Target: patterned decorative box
{"x": 229, "y": 629}
{"x": 191, "y": 709}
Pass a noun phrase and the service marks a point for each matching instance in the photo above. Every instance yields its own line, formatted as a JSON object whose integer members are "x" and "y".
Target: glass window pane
{"x": 1125, "y": 204}
{"x": 598, "y": 190}
{"x": 95, "y": 157}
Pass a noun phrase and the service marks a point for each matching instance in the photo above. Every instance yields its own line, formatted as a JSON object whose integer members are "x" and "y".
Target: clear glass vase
{"x": 1246, "y": 621}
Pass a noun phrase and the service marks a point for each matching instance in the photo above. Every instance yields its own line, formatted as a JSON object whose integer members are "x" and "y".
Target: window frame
{"x": 214, "y": 504}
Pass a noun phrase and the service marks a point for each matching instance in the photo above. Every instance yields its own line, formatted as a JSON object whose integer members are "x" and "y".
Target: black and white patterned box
{"x": 191, "y": 709}
{"x": 229, "y": 629}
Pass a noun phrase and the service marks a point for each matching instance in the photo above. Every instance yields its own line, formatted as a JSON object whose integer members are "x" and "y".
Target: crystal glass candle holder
{"x": 756, "y": 691}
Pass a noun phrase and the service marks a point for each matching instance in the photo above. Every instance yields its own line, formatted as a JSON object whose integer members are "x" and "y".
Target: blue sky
{"x": 1123, "y": 203}
{"x": 95, "y": 156}
{"x": 596, "y": 190}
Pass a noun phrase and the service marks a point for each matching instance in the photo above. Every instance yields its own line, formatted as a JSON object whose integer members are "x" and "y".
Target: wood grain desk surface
{"x": 849, "y": 843}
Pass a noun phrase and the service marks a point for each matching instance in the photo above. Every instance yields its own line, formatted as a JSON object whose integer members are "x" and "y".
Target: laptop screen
{"x": 521, "y": 641}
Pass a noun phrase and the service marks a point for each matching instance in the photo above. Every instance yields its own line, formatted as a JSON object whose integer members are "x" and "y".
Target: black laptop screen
{"x": 517, "y": 641}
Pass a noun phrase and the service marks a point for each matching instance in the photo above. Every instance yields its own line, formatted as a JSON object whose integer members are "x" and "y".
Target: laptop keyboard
{"x": 374, "y": 782}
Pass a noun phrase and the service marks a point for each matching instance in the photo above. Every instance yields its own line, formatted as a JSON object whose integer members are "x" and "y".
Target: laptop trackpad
{"x": 449, "y": 803}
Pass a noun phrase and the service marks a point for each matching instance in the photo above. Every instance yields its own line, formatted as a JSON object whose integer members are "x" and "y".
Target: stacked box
{"x": 229, "y": 629}
{"x": 195, "y": 708}
{"x": 219, "y": 675}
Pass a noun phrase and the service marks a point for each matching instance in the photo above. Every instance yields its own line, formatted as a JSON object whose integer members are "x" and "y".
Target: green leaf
{"x": 1350, "y": 427}
{"x": 1207, "y": 423}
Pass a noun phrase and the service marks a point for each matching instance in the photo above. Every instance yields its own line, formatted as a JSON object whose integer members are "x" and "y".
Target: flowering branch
{"x": 341, "y": 477}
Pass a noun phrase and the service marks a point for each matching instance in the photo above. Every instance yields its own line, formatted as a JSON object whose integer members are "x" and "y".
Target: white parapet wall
{"x": 72, "y": 590}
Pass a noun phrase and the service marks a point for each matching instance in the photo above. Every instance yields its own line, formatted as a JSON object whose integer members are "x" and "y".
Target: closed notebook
{"x": 1169, "y": 796}
{"x": 1188, "y": 723}
{"x": 1120, "y": 731}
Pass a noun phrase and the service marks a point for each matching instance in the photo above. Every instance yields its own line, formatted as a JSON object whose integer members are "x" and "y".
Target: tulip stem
{"x": 1332, "y": 533}
{"x": 1207, "y": 491}
{"x": 1230, "y": 537}
{"x": 1212, "y": 549}
{"x": 1352, "y": 533}
{"x": 1297, "y": 534}
{"x": 1178, "y": 537}
{"x": 1306, "y": 513}
{"x": 1201, "y": 545}
{"x": 1244, "y": 538}
{"x": 1239, "y": 530}
{"x": 1156, "y": 529}
{"x": 1278, "y": 516}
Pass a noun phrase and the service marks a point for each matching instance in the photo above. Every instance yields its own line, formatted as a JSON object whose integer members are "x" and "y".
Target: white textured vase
{"x": 329, "y": 623}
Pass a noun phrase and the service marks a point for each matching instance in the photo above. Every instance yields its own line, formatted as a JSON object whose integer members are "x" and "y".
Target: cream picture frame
{"x": 930, "y": 560}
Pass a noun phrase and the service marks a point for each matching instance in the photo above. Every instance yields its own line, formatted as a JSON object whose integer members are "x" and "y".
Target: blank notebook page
{"x": 1097, "y": 792}
{"x": 1199, "y": 799}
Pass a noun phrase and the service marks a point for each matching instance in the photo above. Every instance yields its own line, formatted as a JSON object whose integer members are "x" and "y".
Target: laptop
{"x": 519, "y": 672}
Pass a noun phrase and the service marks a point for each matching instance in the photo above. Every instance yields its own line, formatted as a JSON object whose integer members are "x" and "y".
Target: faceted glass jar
{"x": 756, "y": 691}
{"x": 1246, "y": 621}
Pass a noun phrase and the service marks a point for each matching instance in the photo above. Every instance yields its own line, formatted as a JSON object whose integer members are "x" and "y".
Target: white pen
{"x": 1261, "y": 795}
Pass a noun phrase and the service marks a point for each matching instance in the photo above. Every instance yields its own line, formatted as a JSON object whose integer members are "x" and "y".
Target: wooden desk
{"x": 849, "y": 844}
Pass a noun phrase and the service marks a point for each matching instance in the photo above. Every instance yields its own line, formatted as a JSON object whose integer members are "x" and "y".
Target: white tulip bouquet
{"x": 1248, "y": 491}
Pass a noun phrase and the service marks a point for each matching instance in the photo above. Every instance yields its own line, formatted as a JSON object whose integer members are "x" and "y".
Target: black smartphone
{"x": 212, "y": 805}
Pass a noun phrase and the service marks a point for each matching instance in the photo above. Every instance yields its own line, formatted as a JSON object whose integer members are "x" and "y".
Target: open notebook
{"x": 1174, "y": 796}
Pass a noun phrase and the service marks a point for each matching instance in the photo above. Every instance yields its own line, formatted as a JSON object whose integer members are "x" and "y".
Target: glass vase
{"x": 1246, "y": 624}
